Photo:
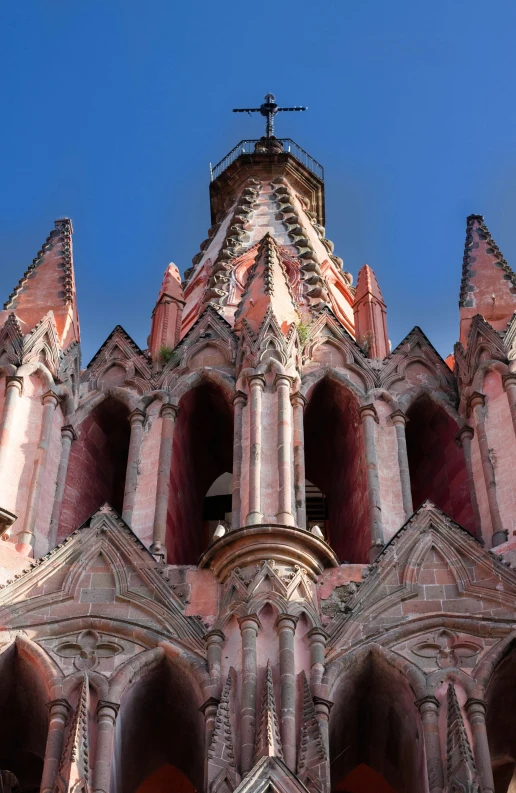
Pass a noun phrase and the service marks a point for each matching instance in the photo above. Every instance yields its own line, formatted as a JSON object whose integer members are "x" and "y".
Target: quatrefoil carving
{"x": 87, "y": 650}
{"x": 446, "y": 648}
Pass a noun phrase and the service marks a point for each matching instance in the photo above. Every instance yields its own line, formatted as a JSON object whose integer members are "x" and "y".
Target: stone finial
{"x": 221, "y": 755}
{"x": 370, "y": 315}
{"x": 167, "y": 314}
{"x": 268, "y": 741}
{"x": 460, "y": 765}
{"x": 74, "y": 769}
{"x": 312, "y": 760}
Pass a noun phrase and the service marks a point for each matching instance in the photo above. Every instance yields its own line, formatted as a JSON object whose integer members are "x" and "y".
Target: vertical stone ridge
{"x": 221, "y": 749}
{"x": 312, "y": 754}
{"x": 74, "y": 771}
{"x": 268, "y": 741}
{"x": 460, "y": 765}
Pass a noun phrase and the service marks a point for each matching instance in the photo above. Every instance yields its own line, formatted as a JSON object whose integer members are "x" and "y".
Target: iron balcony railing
{"x": 247, "y": 147}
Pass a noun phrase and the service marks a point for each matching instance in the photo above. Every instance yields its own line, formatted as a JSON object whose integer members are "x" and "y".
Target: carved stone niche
{"x": 249, "y": 545}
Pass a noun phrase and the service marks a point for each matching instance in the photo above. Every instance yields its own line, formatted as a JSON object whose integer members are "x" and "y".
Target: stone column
{"x": 509, "y": 383}
{"x": 249, "y": 627}
{"x": 50, "y": 402}
{"x": 322, "y": 711}
{"x": 168, "y": 414}
{"x": 369, "y": 416}
{"x": 214, "y": 642}
{"x": 399, "y": 420}
{"x": 239, "y": 402}
{"x": 286, "y": 625}
{"x": 464, "y": 438}
{"x": 137, "y": 419}
{"x": 298, "y": 407}
{"x": 477, "y": 405}
{"x": 106, "y": 720}
{"x": 256, "y": 386}
{"x": 58, "y": 716}
{"x": 67, "y": 436}
{"x": 429, "y": 711}
{"x": 317, "y": 638}
{"x": 284, "y": 515}
{"x": 476, "y": 710}
{"x": 13, "y": 390}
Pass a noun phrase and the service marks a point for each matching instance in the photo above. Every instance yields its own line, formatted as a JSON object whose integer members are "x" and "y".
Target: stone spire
{"x": 221, "y": 755}
{"x": 460, "y": 765}
{"x": 268, "y": 742}
{"x": 167, "y": 313}
{"x": 488, "y": 284}
{"x": 267, "y": 288}
{"x": 370, "y": 315}
{"x": 312, "y": 760}
{"x": 48, "y": 284}
{"x": 74, "y": 771}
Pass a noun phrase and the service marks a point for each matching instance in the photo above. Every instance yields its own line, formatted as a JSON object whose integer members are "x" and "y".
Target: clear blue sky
{"x": 112, "y": 110}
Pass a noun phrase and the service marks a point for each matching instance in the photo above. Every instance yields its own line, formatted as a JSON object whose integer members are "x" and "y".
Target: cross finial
{"x": 268, "y": 109}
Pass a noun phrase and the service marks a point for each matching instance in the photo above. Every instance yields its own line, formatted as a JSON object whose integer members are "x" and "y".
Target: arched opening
{"x": 97, "y": 466}
{"x": 375, "y": 735}
{"x": 159, "y": 742}
{"x": 501, "y": 724}
{"x": 24, "y": 724}
{"x": 436, "y": 462}
{"x": 335, "y": 465}
{"x": 203, "y": 450}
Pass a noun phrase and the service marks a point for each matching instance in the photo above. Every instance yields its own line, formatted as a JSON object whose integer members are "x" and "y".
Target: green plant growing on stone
{"x": 167, "y": 355}
{"x": 303, "y": 333}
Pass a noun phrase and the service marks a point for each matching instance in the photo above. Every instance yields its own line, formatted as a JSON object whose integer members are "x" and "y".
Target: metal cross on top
{"x": 269, "y": 110}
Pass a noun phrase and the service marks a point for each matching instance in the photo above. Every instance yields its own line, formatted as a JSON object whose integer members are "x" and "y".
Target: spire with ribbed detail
{"x": 488, "y": 285}
{"x": 267, "y": 287}
{"x": 268, "y": 742}
{"x": 166, "y": 317}
{"x": 74, "y": 770}
{"x": 221, "y": 756}
{"x": 312, "y": 760}
{"x": 460, "y": 765}
{"x": 370, "y": 315}
{"x": 48, "y": 285}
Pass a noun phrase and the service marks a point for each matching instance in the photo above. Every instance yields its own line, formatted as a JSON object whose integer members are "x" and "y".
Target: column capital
{"x": 168, "y": 411}
{"x": 209, "y": 708}
{"x": 256, "y": 379}
{"x": 239, "y": 398}
{"x": 317, "y": 635}
{"x": 509, "y": 380}
{"x": 67, "y": 431}
{"x": 476, "y": 399}
{"x": 399, "y": 418}
{"x": 137, "y": 417}
{"x": 13, "y": 381}
{"x": 368, "y": 411}
{"x": 279, "y": 378}
{"x": 106, "y": 708}
{"x": 60, "y": 707}
{"x": 51, "y": 397}
{"x": 215, "y": 636}
{"x": 298, "y": 400}
{"x": 466, "y": 433}
{"x": 250, "y": 621}
{"x": 475, "y": 705}
{"x": 286, "y": 618}
{"x": 322, "y": 705}
{"x": 427, "y": 703}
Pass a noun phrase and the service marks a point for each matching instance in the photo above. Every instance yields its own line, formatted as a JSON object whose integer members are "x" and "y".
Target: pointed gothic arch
{"x": 436, "y": 462}
{"x": 202, "y": 451}
{"x": 25, "y": 690}
{"x": 376, "y": 740}
{"x": 97, "y": 466}
{"x": 335, "y": 464}
{"x": 160, "y": 732}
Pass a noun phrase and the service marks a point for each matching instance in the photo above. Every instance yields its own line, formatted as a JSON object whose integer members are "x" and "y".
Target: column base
{"x": 499, "y": 537}
{"x": 254, "y": 519}
{"x": 285, "y": 519}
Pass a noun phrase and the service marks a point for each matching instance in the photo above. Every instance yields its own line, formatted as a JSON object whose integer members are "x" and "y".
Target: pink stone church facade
{"x": 269, "y": 552}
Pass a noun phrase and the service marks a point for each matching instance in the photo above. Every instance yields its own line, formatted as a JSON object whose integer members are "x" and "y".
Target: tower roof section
{"x": 270, "y": 158}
